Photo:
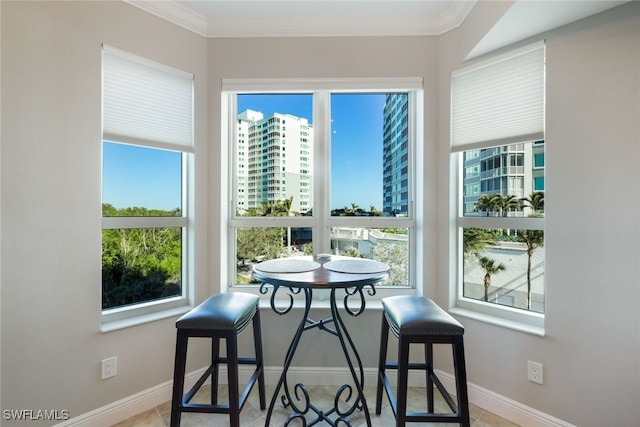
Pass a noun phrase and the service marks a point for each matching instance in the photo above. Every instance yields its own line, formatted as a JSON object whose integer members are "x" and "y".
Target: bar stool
{"x": 414, "y": 319}
{"x": 221, "y": 316}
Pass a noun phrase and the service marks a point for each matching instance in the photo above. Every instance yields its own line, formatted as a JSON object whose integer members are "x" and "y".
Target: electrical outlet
{"x": 534, "y": 372}
{"x": 109, "y": 367}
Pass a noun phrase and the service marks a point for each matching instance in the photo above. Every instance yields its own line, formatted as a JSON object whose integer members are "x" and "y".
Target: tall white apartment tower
{"x": 275, "y": 160}
{"x": 245, "y": 120}
{"x": 395, "y": 149}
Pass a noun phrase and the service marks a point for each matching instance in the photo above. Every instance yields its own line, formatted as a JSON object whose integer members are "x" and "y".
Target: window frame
{"x": 321, "y": 221}
{"x": 118, "y": 317}
{"x": 515, "y": 318}
{"x": 527, "y": 126}
{"x": 129, "y": 315}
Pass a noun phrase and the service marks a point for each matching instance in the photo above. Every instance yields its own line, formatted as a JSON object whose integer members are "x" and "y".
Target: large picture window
{"x": 322, "y": 171}
{"x": 497, "y": 137}
{"x": 146, "y": 153}
{"x": 502, "y": 238}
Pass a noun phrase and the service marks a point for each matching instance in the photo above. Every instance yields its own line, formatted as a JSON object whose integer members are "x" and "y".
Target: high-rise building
{"x": 395, "y": 151}
{"x": 274, "y": 161}
{"x": 510, "y": 170}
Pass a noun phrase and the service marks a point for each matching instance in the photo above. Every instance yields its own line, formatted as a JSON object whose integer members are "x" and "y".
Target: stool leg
{"x": 461, "y": 380}
{"x": 232, "y": 367}
{"x": 403, "y": 380}
{"x": 428, "y": 355}
{"x": 382, "y": 362}
{"x": 257, "y": 341}
{"x": 215, "y": 362}
{"x": 178, "y": 377}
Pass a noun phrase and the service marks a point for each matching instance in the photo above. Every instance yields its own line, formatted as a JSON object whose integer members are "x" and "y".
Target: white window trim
{"x": 321, "y": 88}
{"x": 160, "y": 115}
{"x": 509, "y": 317}
{"x": 478, "y": 121}
{"x": 131, "y": 315}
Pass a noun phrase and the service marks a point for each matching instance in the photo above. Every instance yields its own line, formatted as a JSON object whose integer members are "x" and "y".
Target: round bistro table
{"x": 302, "y": 275}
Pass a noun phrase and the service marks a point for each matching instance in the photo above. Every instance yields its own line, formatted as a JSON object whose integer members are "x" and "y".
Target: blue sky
{"x": 143, "y": 177}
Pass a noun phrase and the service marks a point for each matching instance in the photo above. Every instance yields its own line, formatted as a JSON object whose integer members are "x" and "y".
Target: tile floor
{"x": 252, "y": 416}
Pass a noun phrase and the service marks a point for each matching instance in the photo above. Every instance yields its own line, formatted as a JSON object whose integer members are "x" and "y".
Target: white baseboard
{"x": 122, "y": 409}
{"x": 140, "y": 402}
{"x": 502, "y": 406}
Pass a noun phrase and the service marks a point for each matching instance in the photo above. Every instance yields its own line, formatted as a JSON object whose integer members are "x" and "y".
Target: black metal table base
{"x": 348, "y": 398}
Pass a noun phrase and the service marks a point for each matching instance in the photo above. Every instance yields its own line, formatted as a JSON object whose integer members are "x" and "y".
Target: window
{"x": 497, "y": 125}
{"x": 146, "y": 155}
{"x": 339, "y": 180}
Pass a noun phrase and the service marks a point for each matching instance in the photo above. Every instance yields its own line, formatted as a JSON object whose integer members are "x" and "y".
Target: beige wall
{"x": 50, "y": 177}
{"x": 591, "y": 351}
{"x": 51, "y": 183}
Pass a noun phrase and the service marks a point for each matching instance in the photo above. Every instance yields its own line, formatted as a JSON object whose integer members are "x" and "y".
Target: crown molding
{"x": 308, "y": 26}
{"x": 174, "y": 13}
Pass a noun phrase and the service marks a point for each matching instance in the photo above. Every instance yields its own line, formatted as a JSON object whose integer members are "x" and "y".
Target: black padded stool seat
{"x": 230, "y": 311}
{"x": 222, "y": 316}
{"x": 414, "y": 319}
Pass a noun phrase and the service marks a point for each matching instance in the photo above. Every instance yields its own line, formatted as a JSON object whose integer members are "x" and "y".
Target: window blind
{"x": 145, "y": 102}
{"x": 499, "y": 101}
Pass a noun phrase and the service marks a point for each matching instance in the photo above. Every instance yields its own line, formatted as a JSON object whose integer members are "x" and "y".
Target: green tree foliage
{"x": 508, "y": 204}
{"x": 475, "y": 241}
{"x": 352, "y": 251}
{"x": 276, "y": 208}
{"x": 535, "y": 201}
{"x": 109, "y": 210}
{"x": 140, "y": 264}
{"x": 263, "y": 242}
{"x": 396, "y": 256}
{"x": 260, "y": 242}
{"x": 489, "y": 203}
{"x": 497, "y": 205}
{"x": 307, "y": 248}
{"x": 396, "y": 230}
{"x": 356, "y": 210}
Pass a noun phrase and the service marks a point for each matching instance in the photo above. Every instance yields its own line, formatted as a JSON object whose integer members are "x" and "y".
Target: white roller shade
{"x": 499, "y": 101}
{"x": 145, "y": 102}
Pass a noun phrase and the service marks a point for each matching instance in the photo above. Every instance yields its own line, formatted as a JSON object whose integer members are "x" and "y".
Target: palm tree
{"x": 353, "y": 210}
{"x": 508, "y": 203}
{"x": 533, "y": 239}
{"x": 284, "y": 206}
{"x": 489, "y": 266}
{"x": 475, "y": 241}
{"x": 374, "y": 212}
{"x": 277, "y": 208}
{"x": 489, "y": 203}
{"x": 535, "y": 201}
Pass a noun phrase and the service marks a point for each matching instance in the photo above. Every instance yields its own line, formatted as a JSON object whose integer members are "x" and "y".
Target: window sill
{"x": 499, "y": 321}
{"x": 142, "y": 319}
